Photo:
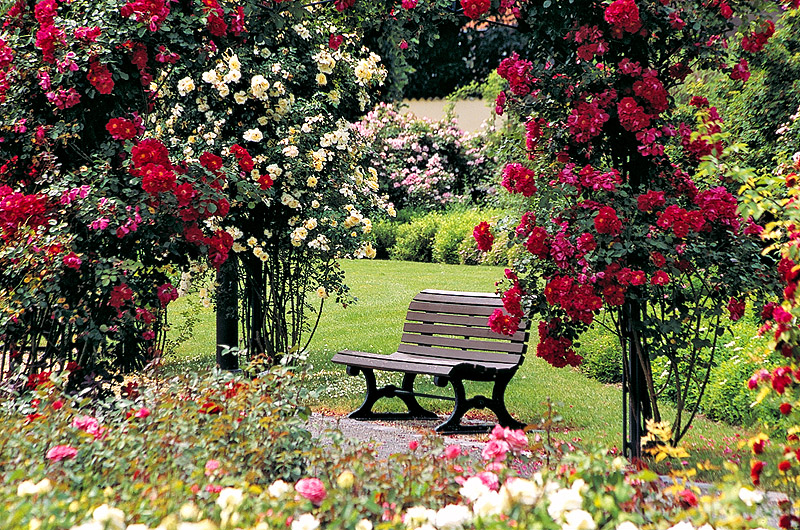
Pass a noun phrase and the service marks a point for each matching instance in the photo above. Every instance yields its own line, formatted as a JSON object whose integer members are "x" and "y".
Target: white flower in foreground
{"x": 230, "y": 498}
{"x": 110, "y": 518}
{"x": 706, "y": 527}
{"x": 627, "y": 525}
{"x": 489, "y": 504}
{"x": 291, "y": 151}
{"x": 278, "y": 489}
{"x": 750, "y": 497}
{"x": 211, "y": 77}
{"x": 364, "y": 524}
{"x": 26, "y": 488}
{"x": 453, "y": 517}
{"x": 305, "y": 522}
{"x": 523, "y": 491}
{"x": 418, "y": 516}
{"x": 253, "y": 135}
{"x": 139, "y": 526}
{"x": 579, "y": 520}
{"x": 473, "y": 489}
{"x": 564, "y": 500}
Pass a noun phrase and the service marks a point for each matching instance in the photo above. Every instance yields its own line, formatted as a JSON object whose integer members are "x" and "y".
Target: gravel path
{"x": 391, "y": 436}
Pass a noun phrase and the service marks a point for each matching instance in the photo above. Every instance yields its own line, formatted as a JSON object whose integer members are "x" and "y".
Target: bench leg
{"x": 497, "y": 405}
{"x": 364, "y": 412}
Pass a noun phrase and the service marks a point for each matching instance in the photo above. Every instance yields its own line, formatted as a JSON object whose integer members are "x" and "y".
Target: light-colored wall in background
{"x": 471, "y": 113}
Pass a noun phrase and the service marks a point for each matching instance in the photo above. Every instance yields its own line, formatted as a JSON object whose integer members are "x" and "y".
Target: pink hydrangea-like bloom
{"x": 61, "y": 452}
{"x": 312, "y": 489}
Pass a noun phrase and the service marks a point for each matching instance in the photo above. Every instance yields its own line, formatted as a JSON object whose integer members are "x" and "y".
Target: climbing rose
{"x": 607, "y": 222}
{"x": 736, "y": 309}
{"x": 334, "y": 41}
{"x": 741, "y": 71}
{"x": 312, "y": 489}
{"x": 121, "y": 129}
{"x": 660, "y": 278}
{"x": 503, "y": 323}
{"x": 475, "y": 8}
{"x": 72, "y": 261}
{"x": 483, "y": 236}
{"x": 519, "y": 179}
{"x": 623, "y": 15}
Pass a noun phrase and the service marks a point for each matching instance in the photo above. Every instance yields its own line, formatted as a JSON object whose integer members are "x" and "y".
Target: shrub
{"x": 454, "y": 228}
{"x": 602, "y": 358}
{"x": 415, "y": 239}
{"x": 385, "y": 233}
{"x": 727, "y": 397}
{"x": 423, "y": 163}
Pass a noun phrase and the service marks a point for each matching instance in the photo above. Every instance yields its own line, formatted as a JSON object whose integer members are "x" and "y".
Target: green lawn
{"x": 591, "y": 411}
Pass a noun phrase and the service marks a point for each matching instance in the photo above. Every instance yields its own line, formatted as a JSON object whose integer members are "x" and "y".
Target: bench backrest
{"x": 455, "y": 325}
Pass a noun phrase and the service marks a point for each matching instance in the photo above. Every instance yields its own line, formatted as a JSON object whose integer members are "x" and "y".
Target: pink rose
{"x": 72, "y": 261}
{"x": 61, "y": 452}
{"x": 495, "y": 450}
{"x": 312, "y": 489}
{"x": 211, "y": 466}
{"x": 142, "y": 412}
{"x": 517, "y": 440}
{"x": 413, "y": 444}
{"x": 489, "y": 480}
{"x": 452, "y": 451}
{"x": 87, "y": 424}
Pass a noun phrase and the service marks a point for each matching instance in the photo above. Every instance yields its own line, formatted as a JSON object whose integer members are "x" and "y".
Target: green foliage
{"x": 602, "y": 357}
{"x": 385, "y": 233}
{"x": 455, "y": 226}
{"x": 415, "y": 239}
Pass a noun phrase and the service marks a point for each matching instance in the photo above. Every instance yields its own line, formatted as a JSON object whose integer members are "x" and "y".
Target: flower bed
{"x": 219, "y": 452}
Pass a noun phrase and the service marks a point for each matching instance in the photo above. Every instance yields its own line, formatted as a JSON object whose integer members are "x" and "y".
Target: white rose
{"x": 489, "y": 504}
{"x": 563, "y": 500}
{"x": 523, "y": 491}
{"x": 291, "y": 151}
{"x": 185, "y": 86}
{"x": 453, "y": 517}
{"x": 683, "y": 525}
{"x": 230, "y": 498}
{"x": 233, "y": 76}
{"x": 211, "y": 77}
{"x": 111, "y": 518}
{"x": 240, "y": 97}
{"x": 26, "y": 488}
{"x": 253, "y": 135}
{"x": 579, "y": 520}
{"x": 278, "y": 489}
{"x": 473, "y": 489}
{"x": 305, "y": 522}
{"x": 418, "y": 516}
{"x": 627, "y": 525}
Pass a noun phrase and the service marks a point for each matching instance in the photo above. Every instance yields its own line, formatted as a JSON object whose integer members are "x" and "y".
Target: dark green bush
{"x": 602, "y": 358}
{"x": 385, "y": 232}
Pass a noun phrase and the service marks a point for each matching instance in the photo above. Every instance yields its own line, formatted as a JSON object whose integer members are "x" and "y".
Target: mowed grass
{"x": 591, "y": 411}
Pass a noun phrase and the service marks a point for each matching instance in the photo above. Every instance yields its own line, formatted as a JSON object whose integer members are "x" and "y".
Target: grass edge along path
{"x": 591, "y": 411}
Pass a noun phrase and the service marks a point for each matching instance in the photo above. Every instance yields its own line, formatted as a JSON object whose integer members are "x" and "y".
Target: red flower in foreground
{"x": 483, "y": 236}
{"x": 623, "y": 15}
{"x": 736, "y": 309}
{"x": 755, "y": 471}
{"x": 209, "y": 407}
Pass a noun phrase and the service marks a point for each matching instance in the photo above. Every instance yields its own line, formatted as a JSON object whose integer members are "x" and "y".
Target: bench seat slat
{"x": 454, "y": 299}
{"x": 361, "y": 360}
{"x": 453, "y": 309}
{"x": 461, "y": 331}
{"x": 468, "y": 344}
{"x": 461, "y": 355}
{"x": 468, "y": 294}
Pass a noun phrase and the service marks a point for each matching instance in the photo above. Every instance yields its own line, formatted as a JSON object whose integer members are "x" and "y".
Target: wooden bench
{"x": 447, "y": 336}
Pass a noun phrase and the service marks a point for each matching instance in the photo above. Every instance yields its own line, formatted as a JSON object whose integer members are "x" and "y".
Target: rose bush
{"x": 423, "y": 163}
{"x": 121, "y": 165}
{"x": 632, "y": 211}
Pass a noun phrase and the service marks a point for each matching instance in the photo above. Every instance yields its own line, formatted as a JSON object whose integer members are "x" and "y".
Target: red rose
{"x": 483, "y": 236}
{"x": 659, "y": 278}
{"x": 607, "y": 222}
{"x": 785, "y": 408}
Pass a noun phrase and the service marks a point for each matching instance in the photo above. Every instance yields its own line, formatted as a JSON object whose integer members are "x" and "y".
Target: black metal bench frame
{"x": 446, "y": 335}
